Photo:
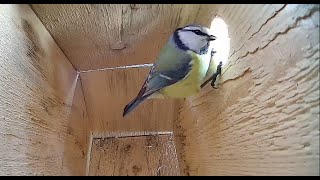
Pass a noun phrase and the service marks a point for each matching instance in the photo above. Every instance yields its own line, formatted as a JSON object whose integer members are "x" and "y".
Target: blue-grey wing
{"x": 161, "y": 75}
{"x": 159, "y": 79}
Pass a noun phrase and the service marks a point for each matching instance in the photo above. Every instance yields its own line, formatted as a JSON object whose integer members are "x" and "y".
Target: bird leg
{"x": 214, "y": 77}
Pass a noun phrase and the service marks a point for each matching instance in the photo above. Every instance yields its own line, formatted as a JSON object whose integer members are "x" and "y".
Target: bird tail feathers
{"x": 133, "y": 104}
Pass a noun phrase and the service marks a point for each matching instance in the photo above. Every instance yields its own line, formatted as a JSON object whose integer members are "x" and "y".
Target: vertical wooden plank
{"x": 41, "y": 121}
{"x": 107, "y": 92}
{"x": 78, "y": 134}
{"x": 264, "y": 118}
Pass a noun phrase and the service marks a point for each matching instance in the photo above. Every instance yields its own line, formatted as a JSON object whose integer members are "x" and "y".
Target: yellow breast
{"x": 191, "y": 84}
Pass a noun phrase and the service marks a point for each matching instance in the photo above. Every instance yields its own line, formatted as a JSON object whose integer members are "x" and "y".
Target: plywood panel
{"x": 42, "y": 112}
{"x": 96, "y": 36}
{"x": 107, "y": 93}
{"x": 78, "y": 136}
{"x": 264, "y": 118}
{"x": 134, "y": 156}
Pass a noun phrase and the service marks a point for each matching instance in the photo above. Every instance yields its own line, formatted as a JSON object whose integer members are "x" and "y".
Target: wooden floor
{"x": 134, "y": 156}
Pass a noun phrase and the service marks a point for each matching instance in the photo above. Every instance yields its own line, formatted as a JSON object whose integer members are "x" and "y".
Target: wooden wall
{"x": 40, "y": 75}
{"x": 264, "y": 118}
{"x": 96, "y": 36}
{"x": 43, "y": 117}
{"x": 108, "y": 92}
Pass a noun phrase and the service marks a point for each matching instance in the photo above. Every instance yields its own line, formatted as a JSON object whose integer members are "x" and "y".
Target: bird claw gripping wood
{"x": 212, "y": 53}
{"x": 214, "y": 76}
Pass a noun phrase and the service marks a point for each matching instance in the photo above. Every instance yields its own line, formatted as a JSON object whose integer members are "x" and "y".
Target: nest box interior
{"x": 67, "y": 71}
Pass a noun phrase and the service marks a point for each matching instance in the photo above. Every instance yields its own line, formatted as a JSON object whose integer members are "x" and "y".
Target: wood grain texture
{"x": 42, "y": 111}
{"x": 96, "y": 36}
{"x": 264, "y": 118}
{"x": 108, "y": 92}
{"x": 134, "y": 156}
{"x": 78, "y": 136}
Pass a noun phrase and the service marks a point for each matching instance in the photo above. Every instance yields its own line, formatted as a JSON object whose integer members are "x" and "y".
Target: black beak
{"x": 211, "y": 38}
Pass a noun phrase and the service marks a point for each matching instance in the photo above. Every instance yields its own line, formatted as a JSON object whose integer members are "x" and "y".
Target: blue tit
{"x": 180, "y": 68}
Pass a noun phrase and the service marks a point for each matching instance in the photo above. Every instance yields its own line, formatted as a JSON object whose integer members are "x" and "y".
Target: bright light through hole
{"x": 222, "y": 44}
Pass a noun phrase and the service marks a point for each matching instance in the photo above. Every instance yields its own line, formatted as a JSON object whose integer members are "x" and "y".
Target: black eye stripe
{"x": 178, "y": 29}
{"x": 198, "y": 32}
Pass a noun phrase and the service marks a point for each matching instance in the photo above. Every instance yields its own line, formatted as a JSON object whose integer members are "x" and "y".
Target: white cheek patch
{"x": 192, "y": 41}
{"x": 192, "y": 28}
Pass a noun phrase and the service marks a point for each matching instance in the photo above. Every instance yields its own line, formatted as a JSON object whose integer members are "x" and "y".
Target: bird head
{"x": 193, "y": 37}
